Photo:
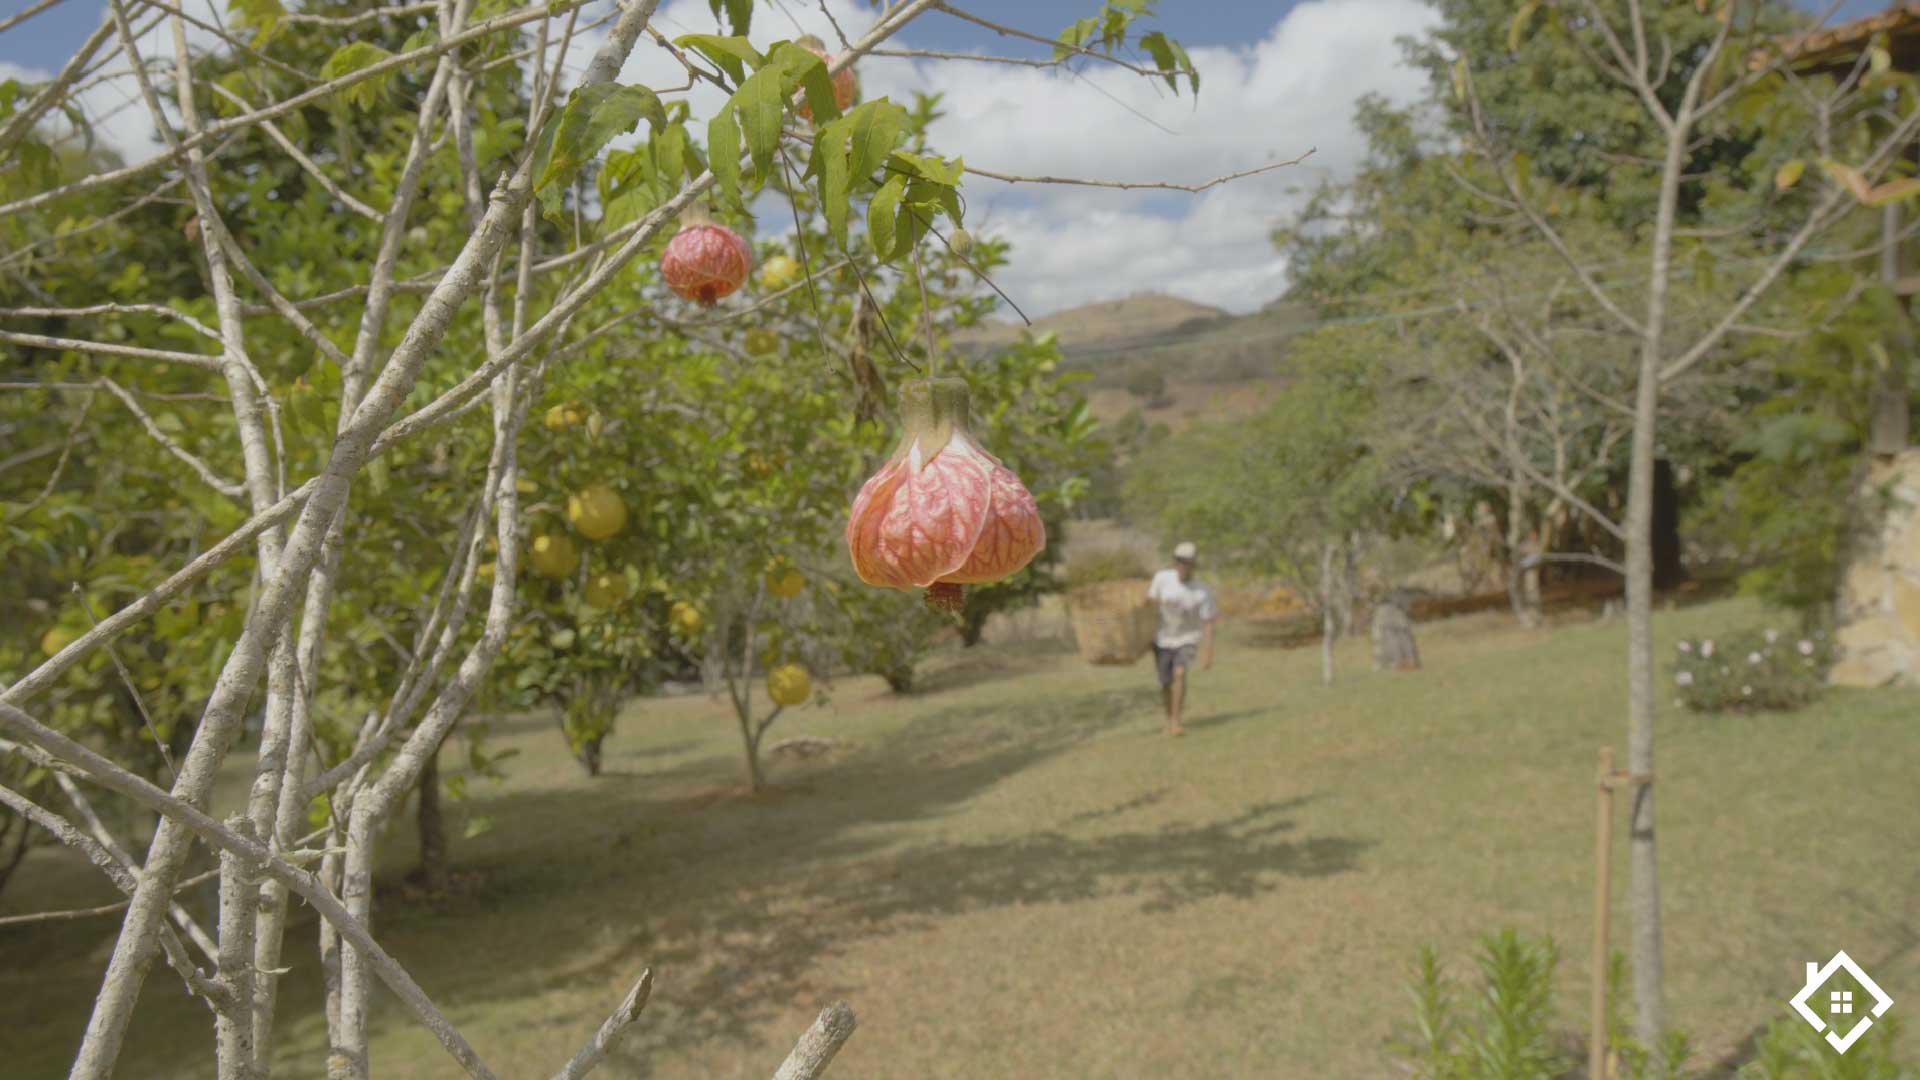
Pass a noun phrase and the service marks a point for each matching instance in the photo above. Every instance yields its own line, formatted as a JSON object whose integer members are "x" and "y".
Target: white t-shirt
{"x": 1186, "y": 607}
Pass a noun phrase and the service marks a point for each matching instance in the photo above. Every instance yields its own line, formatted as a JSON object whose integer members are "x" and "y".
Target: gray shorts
{"x": 1166, "y": 660}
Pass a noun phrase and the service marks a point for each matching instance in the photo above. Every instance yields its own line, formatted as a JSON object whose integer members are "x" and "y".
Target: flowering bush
{"x": 1751, "y": 669}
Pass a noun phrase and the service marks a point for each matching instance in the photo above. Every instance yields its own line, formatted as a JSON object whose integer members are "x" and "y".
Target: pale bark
{"x": 816, "y": 1049}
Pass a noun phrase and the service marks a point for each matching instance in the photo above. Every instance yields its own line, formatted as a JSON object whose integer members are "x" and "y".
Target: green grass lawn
{"x": 1016, "y": 874}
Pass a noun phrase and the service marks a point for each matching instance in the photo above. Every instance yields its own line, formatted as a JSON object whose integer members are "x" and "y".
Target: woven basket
{"x": 1113, "y": 621}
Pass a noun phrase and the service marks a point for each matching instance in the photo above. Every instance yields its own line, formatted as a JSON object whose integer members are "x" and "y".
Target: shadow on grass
{"x": 987, "y": 663}
{"x": 740, "y": 904}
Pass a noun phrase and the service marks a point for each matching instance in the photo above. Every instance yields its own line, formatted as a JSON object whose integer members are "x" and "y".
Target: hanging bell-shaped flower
{"x": 942, "y": 512}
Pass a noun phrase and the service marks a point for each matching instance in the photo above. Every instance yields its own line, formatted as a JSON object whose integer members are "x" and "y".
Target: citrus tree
{"x": 397, "y": 228}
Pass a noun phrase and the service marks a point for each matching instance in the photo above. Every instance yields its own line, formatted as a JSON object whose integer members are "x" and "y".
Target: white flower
{"x": 1806, "y": 648}
{"x": 1746, "y": 691}
{"x": 1706, "y": 647}
{"x": 1685, "y": 678}
{"x": 1773, "y": 636}
{"x": 1686, "y": 646}
{"x": 1753, "y": 658}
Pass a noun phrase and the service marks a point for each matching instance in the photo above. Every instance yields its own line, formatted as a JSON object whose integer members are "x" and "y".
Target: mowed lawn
{"x": 1015, "y": 874}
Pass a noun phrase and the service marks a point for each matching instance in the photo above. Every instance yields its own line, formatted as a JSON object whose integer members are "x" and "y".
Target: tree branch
{"x": 611, "y": 1031}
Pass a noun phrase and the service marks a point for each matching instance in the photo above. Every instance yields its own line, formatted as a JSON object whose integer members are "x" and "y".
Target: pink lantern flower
{"x": 704, "y": 261}
{"x": 844, "y": 83}
{"x": 942, "y": 512}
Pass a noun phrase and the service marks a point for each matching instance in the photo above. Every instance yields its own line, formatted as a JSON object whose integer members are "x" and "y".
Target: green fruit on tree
{"x": 961, "y": 242}
{"x": 553, "y": 556}
{"x": 561, "y": 417}
{"x": 789, "y": 684}
{"x": 596, "y": 512}
{"x": 760, "y": 341}
{"x": 605, "y": 591}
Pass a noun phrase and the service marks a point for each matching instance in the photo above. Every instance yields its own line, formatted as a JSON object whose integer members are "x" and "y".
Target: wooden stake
{"x": 1602, "y": 865}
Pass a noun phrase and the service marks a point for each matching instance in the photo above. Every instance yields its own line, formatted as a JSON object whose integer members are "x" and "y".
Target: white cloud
{"x": 1270, "y": 101}
{"x": 1266, "y": 101}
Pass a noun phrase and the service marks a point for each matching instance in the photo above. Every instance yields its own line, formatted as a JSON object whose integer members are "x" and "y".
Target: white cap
{"x": 1184, "y": 551}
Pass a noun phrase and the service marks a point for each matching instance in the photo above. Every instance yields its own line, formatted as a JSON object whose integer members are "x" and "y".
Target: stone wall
{"x": 1879, "y": 612}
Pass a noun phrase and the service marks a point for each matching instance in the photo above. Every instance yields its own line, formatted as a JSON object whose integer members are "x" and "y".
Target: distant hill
{"x": 1191, "y": 347}
{"x": 1107, "y": 322}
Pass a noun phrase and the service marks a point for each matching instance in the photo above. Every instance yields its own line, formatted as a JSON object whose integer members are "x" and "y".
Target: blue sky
{"x": 1279, "y": 79}
{"x": 57, "y": 32}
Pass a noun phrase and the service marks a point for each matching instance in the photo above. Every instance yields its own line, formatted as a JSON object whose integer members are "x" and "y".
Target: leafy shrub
{"x": 1750, "y": 670}
{"x": 1791, "y": 1050}
{"x": 1105, "y": 564}
{"x": 1507, "y": 1033}
{"x": 1149, "y": 384}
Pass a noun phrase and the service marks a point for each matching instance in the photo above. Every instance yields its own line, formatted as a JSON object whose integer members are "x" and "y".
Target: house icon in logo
{"x": 1839, "y": 1002}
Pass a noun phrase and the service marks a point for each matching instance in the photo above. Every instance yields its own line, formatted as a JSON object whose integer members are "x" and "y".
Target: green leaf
{"x": 809, "y": 72}
{"x": 935, "y": 169}
{"x": 829, "y": 163}
{"x": 731, "y": 54}
{"x": 592, "y": 117}
{"x": 1517, "y": 30}
{"x": 1789, "y": 174}
{"x": 1160, "y": 48}
{"x": 723, "y": 153}
{"x": 882, "y": 214}
{"x": 877, "y": 127}
{"x": 739, "y": 13}
{"x": 759, "y": 106}
{"x": 1459, "y": 72}
{"x": 1074, "y": 37}
{"x": 260, "y": 16}
{"x": 1186, "y": 62}
{"x": 358, "y": 56}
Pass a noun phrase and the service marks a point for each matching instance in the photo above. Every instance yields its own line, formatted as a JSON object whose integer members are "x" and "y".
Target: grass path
{"x": 1015, "y": 874}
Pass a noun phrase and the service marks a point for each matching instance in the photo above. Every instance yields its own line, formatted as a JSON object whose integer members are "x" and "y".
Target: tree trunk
{"x": 1644, "y": 884}
{"x": 591, "y": 758}
{"x": 431, "y": 874}
{"x": 1523, "y": 580}
{"x": 1328, "y": 631}
{"x": 1668, "y": 571}
{"x": 973, "y": 622}
{"x": 750, "y": 749}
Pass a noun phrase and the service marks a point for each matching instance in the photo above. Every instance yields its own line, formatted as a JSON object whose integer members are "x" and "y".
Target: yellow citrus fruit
{"x": 561, "y": 417}
{"x": 484, "y": 571}
{"x": 605, "y": 591}
{"x": 789, "y": 684}
{"x": 779, "y": 272}
{"x": 596, "y": 512}
{"x": 56, "y": 639}
{"x": 686, "y": 618}
{"x": 786, "y": 584}
{"x": 553, "y": 556}
{"x": 761, "y": 341}
{"x": 525, "y": 486}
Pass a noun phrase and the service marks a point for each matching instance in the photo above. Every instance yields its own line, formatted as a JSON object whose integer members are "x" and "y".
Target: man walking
{"x": 1187, "y": 613}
